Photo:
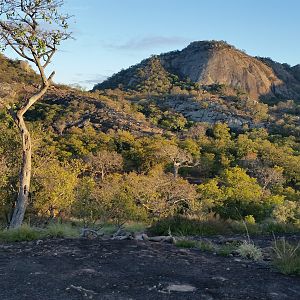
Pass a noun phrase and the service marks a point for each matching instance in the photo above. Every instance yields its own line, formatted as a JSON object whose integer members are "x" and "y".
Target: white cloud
{"x": 145, "y": 43}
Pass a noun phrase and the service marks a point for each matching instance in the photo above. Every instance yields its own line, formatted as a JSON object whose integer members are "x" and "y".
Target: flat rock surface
{"x": 96, "y": 269}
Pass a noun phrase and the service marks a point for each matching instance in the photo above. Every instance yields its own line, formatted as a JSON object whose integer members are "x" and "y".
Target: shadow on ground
{"x": 96, "y": 269}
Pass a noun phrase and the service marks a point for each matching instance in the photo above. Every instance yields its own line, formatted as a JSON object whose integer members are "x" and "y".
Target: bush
{"x": 249, "y": 219}
{"x": 288, "y": 212}
{"x": 250, "y": 251}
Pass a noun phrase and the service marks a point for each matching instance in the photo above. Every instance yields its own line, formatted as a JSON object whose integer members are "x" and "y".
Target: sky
{"x": 111, "y": 35}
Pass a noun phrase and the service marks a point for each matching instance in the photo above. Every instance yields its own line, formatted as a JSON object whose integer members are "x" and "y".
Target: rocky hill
{"x": 64, "y": 109}
{"x": 211, "y": 62}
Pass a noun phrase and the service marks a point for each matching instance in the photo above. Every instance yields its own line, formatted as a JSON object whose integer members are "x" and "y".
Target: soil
{"x": 129, "y": 269}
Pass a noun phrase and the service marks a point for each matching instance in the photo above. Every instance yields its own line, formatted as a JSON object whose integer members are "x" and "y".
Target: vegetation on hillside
{"x": 121, "y": 155}
{"x": 119, "y": 176}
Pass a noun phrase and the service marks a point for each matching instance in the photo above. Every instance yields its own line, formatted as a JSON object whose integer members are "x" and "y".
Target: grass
{"x": 57, "y": 230}
{"x": 135, "y": 227}
{"x": 238, "y": 227}
{"x": 194, "y": 227}
{"x": 108, "y": 229}
{"x": 272, "y": 227}
{"x": 189, "y": 227}
{"x": 227, "y": 249}
{"x": 24, "y": 233}
{"x": 186, "y": 244}
{"x": 206, "y": 246}
{"x": 286, "y": 257}
{"x": 201, "y": 245}
{"x": 27, "y": 233}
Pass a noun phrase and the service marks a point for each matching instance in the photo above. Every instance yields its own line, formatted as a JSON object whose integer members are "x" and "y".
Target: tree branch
{"x": 35, "y": 97}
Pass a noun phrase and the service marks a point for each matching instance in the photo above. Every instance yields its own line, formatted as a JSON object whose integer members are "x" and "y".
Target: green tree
{"x": 233, "y": 194}
{"x": 54, "y": 188}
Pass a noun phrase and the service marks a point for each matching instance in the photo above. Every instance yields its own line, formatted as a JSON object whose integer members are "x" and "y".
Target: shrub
{"x": 249, "y": 219}
{"x": 248, "y": 250}
{"x": 288, "y": 212}
{"x": 232, "y": 195}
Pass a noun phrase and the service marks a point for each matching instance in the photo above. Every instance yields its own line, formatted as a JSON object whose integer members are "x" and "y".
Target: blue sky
{"x": 115, "y": 34}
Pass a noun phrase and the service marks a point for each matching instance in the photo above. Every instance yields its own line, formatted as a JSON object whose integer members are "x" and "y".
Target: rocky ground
{"x": 111, "y": 269}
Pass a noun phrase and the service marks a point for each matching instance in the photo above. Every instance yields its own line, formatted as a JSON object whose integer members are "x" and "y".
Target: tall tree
{"x": 33, "y": 29}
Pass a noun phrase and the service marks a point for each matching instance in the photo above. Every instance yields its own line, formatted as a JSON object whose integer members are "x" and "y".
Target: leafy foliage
{"x": 179, "y": 175}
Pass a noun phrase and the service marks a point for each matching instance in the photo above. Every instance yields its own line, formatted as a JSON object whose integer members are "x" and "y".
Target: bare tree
{"x": 178, "y": 157}
{"x": 104, "y": 162}
{"x": 267, "y": 176}
{"x": 33, "y": 29}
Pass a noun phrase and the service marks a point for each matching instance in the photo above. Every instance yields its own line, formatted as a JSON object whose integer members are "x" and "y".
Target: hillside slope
{"x": 65, "y": 108}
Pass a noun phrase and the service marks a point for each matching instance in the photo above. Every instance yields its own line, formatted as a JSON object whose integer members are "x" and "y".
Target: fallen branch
{"x": 82, "y": 290}
{"x": 87, "y": 232}
{"x": 167, "y": 239}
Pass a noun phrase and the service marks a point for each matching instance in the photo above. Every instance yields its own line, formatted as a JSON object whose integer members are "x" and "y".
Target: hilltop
{"x": 207, "y": 63}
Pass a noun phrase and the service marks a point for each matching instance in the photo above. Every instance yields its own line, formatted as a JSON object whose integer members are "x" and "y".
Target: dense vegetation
{"x": 87, "y": 172}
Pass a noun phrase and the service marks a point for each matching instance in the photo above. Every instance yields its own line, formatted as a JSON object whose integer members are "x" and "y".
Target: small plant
{"x": 248, "y": 250}
{"x": 186, "y": 244}
{"x": 250, "y": 219}
{"x": 287, "y": 256}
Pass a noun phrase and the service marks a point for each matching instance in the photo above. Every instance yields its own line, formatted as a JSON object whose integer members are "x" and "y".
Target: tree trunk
{"x": 175, "y": 169}
{"x": 25, "y": 176}
{"x": 102, "y": 174}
